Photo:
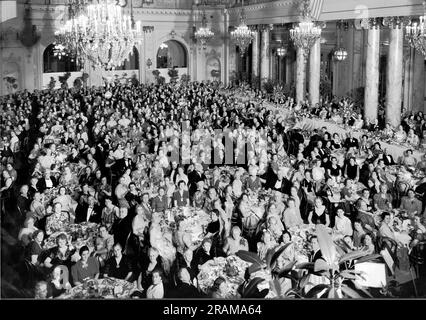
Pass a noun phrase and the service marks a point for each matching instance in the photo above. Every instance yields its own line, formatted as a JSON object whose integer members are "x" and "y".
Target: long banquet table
{"x": 396, "y": 151}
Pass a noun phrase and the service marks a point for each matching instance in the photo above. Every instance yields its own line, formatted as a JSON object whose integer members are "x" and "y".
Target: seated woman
{"x": 68, "y": 204}
{"x": 412, "y": 138}
{"x": 59, "y": 283}
{"x": 267, "y": 243}
{"x": 291, "y": 215}
{"x": 58, "y": 220}
{"x": 342, "y": 225}
{"x": 26, "y": 233}
{"x": 319, "y": 214}
{"x": 118, "y": 266}
{"x": 400, "y": 135}
{"x": 275, "y": 226}
{"x": 147, "y": 266}
{"x": 156, "y": 289}
{"x": 235, "y": 242}
{"x": 86, "y": 268}
{"x": 34, "y": 249}
{"x": 368, "y": 244}
{"x": 408, "y": 159}
{"x": 61, "y": 254}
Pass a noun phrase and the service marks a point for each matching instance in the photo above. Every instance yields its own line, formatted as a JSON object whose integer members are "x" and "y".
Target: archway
{"x": 171, "y": 54}
{"x": 52, "y": 63}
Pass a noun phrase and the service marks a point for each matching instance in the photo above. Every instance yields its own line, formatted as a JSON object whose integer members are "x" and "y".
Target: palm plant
{"x": 337, "y": 267}
{"x": 262, "y": 277}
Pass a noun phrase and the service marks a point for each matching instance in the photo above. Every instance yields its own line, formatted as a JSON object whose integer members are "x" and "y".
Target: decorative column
{"x": 264, "y": 54}
{"x": 418, "y": 82}
{"x": 314, "y": 72}
{"x": 394, "y": 72}
{"x": 148, "y": 48}
{"x": 255, "y": 53}
{"x": 371, "y": 95}
{"x": 300, "y": 75}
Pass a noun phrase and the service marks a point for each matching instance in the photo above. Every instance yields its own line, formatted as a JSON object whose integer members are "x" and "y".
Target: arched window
{"x": 171, "y": 54}
{"x": 52, "y": 63}
{"x": 132, "y": 63}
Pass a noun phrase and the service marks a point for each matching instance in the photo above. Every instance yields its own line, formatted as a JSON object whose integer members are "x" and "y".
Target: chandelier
{"x": 281, "y": 52}
{"x": 340, "y": 54}
{"x": 99, "y": 33}
{"x": 306, "y": 32}
{"x": 204, "y": 34}
{"x": 242, "y": 36}
{"x": 416, "y": 33}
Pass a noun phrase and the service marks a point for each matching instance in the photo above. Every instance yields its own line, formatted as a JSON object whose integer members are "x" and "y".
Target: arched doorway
{"x": 57, "y": 69}
{"x": 172, "y": 54}
{"x": 52, "y": 63}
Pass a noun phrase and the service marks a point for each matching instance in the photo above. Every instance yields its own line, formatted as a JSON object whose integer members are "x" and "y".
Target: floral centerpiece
{"x": 232, "y": 269}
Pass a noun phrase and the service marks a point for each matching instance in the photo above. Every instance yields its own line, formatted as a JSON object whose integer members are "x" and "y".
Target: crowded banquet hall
{"x": 213, "y": 149}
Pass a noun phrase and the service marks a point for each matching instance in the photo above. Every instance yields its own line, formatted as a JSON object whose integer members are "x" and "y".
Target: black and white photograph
{"x": 227, "y": 152}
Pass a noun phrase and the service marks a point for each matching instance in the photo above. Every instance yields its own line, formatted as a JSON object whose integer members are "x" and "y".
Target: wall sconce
{"x": 173, "y": 34}
{"x": 149, "y": 63}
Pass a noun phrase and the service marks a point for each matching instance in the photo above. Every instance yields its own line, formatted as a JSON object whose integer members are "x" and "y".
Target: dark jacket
{"x": 81, "y": 213}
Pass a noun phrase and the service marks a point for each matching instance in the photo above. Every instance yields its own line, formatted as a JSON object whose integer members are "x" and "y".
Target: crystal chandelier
{"x": 306, "y": 32}
{"x": 99, "y": 33}
{"x": 416, "y": 33}
{"x": 340, "y": 54}
{"x": 204, "y": 34}
{"x": 242, "y": 36}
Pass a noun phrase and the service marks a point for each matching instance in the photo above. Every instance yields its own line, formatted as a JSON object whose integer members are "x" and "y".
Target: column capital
{"x": 148, "y": 29}
{"x": 254, "y": 27}
{"x": 371, "y": 23}
{"x": 396, "y": 22}
{"x": 265, "y": 27}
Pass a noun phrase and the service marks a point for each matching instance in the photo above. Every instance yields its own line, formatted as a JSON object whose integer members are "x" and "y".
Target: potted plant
{"x": 185, "y": 78}
{"x": 11, "y": 84}
{"x": 64, "y": 80}
{"x": 173, "y": 74}
{"x": 52, "y": 83}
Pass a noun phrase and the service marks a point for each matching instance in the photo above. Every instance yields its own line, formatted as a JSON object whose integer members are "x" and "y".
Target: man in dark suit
{"x": 88, "y": 212}
{"x": 351, "y": 141}
{"x": 388, "y": 159}
{"x": 195, "y": 176}
{"x": 279, "y": 183}
{"x": 47, "y": 182}
{"x": 316, "y": 250}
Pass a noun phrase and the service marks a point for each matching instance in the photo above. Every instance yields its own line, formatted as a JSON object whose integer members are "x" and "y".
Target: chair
{"x": 417, "y": 256}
